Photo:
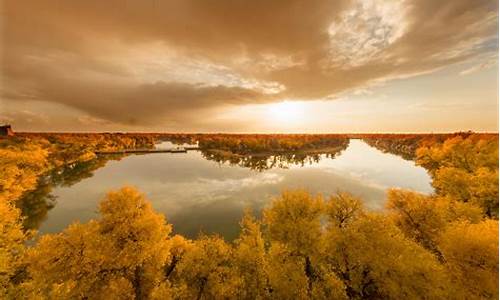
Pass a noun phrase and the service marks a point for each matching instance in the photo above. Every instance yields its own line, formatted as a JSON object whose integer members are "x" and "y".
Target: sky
{"x": 249, "y": 66}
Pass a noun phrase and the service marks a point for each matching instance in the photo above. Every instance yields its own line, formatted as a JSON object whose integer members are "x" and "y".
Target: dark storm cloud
{"x": 145, "y": 104}
{"x": 75, "y": 52}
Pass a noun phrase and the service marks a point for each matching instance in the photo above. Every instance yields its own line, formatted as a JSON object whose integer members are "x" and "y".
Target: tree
{"x": 471, "y": 254}
{"x": 343, "y": 208}
{"x": 423, "y": 218}
{"x": 121, "y": 254}
{"x": 20, "y": 166}
{"x": 12, "y": 240}
{"x": 375, "y": 260}
{"x": 465, "y": 169}
{"x": 287, "y": 276}
{"x": 251, "y": 261}
{"x": 479, "y": 187}
{"x": 294, "y": 221}
{"x": 206, "y": 271}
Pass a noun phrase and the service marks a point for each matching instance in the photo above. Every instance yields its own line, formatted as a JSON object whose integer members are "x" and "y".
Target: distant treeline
{"x": 406, "y": 145}
{"x": 272, "y": 144}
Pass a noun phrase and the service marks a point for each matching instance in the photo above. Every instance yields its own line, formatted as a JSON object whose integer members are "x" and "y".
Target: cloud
{"x": 142, "y": 104}
{"x": 89, "y": 121}
{"x": 173, "y": 61}
{"x": 481, "y": 66}
{"x": 27, "y": 116}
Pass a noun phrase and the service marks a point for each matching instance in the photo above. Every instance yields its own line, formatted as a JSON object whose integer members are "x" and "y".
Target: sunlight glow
{"x": 288, "y": 112}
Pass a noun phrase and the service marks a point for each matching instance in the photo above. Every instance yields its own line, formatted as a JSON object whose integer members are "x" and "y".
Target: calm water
{"x": 198, "y": 195}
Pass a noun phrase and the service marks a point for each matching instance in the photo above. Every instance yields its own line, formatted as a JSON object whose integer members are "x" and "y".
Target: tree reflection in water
{"x": 36, "y": 204}
{"x": 269, "y": 160}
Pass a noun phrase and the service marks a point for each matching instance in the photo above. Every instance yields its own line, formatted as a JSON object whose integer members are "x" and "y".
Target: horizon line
{"x": 261, "y": 133}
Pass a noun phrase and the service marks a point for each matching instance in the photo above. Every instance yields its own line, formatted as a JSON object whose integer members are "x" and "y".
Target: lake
{"x": 200, "y": 195}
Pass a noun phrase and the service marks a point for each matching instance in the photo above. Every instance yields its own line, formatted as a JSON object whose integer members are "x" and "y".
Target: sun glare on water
{"x": 286, "y": 112}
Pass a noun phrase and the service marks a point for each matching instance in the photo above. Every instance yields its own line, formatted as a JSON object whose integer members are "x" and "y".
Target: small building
{"x": 6, "y": 130}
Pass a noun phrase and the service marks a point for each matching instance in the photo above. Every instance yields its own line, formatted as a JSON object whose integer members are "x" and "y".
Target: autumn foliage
{"x": 304, "y": 247}
{"x": 465, "y": 169}
{"x": 439, "y": 246}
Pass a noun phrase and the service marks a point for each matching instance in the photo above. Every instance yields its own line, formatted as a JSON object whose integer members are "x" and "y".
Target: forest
{"x": 304, "y": 246}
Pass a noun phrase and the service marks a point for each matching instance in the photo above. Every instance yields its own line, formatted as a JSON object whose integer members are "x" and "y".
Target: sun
{"x": 285, "y": 112}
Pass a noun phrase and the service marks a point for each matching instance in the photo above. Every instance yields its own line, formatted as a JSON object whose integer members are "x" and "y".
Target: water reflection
{"x": 202, "y": 192}
{"x": 263, "y": 162}
{"x": 36, "y": 204}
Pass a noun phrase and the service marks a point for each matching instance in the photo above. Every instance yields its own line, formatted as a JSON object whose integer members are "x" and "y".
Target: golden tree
{"x": 465, "y": 169}
{"x": 423, "y": 218}
{"x": 12, "y": 240}
{"x": 206, "y": 271}
{"x": 471, "y": 254}
{"x": 251, "y": 261}
{"x": 374, "y": 259}
{"x": 121, "y": 254}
